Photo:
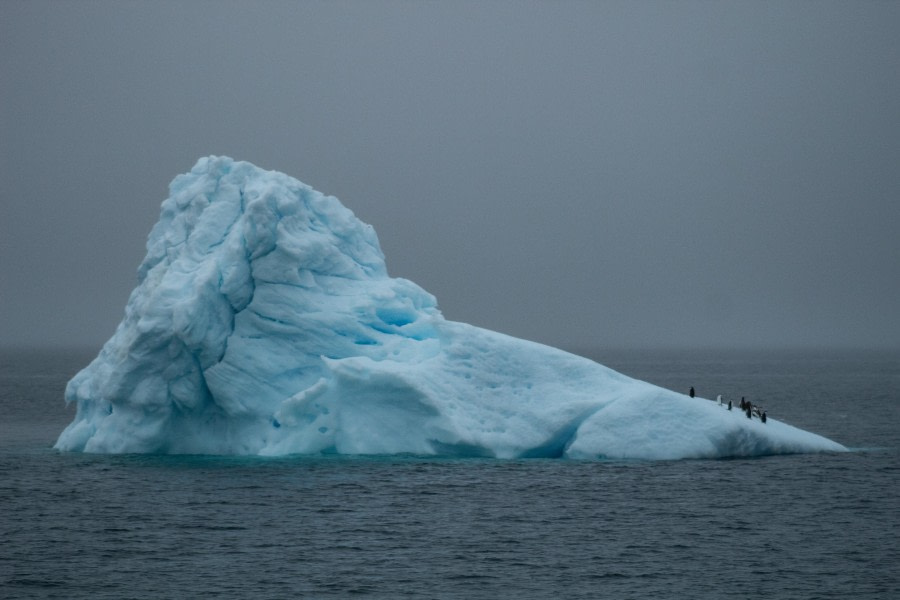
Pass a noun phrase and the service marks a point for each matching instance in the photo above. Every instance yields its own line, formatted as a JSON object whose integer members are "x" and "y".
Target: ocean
{"x": 802, "y": 526}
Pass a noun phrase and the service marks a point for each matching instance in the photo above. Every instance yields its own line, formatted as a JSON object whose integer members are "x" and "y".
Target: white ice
{"x": 265, "y": 323}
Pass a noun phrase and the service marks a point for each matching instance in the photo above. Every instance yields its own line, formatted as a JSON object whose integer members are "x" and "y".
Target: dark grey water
{"x": 813, "y": 526}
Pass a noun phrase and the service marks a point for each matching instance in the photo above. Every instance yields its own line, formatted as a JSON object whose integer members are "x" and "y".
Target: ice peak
{"x": 237, "y": 209}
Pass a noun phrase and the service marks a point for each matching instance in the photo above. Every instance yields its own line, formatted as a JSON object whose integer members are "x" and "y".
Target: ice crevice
{"x": 265, "y": 322}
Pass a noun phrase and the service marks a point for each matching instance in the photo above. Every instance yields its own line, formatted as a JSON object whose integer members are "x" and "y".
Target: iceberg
{"x": 265, "y": 323}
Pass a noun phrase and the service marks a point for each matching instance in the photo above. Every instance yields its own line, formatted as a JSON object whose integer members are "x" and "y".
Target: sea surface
{"x": 802, "y": 526}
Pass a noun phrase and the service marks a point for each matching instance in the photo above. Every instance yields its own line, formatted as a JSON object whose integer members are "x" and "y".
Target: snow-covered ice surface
{"x": 265, "y": 323}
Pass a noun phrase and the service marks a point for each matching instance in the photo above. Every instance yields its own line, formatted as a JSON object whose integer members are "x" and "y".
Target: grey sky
{"x": 576, "y": 173}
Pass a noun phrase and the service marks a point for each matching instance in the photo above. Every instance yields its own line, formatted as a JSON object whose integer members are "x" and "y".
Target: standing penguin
{"x": 691, "y": 393}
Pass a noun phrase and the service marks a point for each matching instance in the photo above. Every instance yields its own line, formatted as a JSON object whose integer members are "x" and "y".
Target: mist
{"x": 582, "y": 174}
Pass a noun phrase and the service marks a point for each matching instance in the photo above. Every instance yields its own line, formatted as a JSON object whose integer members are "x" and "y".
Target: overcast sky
{"x": 610, "y": 174}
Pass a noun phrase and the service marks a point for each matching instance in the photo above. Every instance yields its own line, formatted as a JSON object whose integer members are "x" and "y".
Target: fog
{"x": 583, "y": 174}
